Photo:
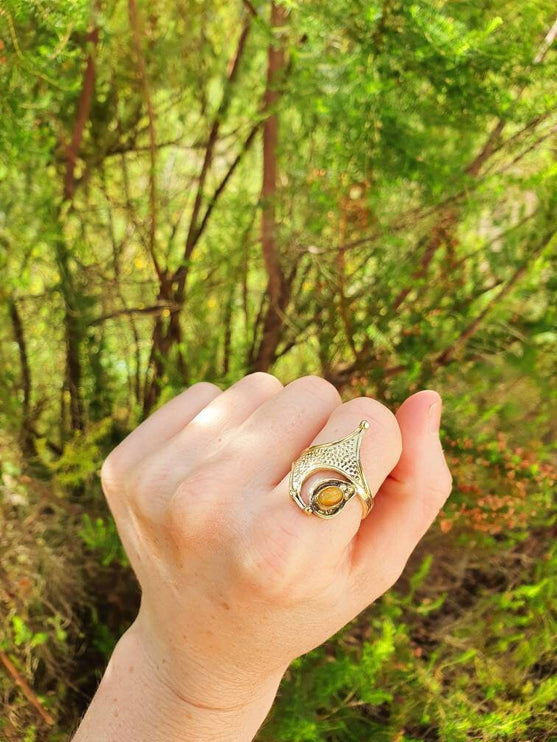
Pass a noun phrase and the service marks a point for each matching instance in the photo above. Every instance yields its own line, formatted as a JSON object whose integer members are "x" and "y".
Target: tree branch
{"x": 154, "y": 310}
{"x": 20, "y": 681}
{"x": 194, "y": 232}
{"x": 82, "y": 116}
{"x": 448, "y": 354}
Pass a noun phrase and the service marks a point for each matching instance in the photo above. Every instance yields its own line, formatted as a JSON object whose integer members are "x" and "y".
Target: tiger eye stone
{"x": 329, "y": 496}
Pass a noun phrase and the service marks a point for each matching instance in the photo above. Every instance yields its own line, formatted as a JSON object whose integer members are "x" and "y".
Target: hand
{"x": 236, "y": 580}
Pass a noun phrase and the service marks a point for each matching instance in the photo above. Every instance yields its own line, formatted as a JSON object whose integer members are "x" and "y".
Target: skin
{"x": 236, "y": 580}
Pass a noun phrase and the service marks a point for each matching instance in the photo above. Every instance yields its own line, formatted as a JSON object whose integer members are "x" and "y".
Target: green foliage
{"x": 23, "y": 635}
{"x": 101, "y": 535}
{"x": 414, "y": 232}
{"x": 483, "y": 671}
{"x": 82, "y": 457}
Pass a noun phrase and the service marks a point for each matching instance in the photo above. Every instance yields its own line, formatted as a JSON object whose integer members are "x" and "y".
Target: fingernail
{"x": 434, "y": 417}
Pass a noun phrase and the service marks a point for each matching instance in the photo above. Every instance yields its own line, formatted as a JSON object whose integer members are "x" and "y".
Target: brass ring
{"x": 328, "y": 497}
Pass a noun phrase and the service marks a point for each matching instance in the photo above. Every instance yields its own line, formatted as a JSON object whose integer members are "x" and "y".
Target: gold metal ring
{"x": 328, "y": 497}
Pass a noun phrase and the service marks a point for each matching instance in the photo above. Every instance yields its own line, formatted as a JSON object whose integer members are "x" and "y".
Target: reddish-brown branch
{"x": 167, "y": 334}
{"x": 449, "y": 216}
{"x": 250, "y": 8}
{"x": 20, "y": 681}
{"x": 530, "y": 126}
{"x": 231, "y": 76}
{"x": 490, "y": 145}
{"x": 277, "y": 289}
{"x": 439, "y": 234}
{"x": 229, "y": 173}
{"x": 270, "y": 144}
{"x": 474, "y": 167}
{"x": 156, "y": 309}
{"x": 531, "y": 147}
{"x": 341, "y": 286}
{"x": 82, "y": 116}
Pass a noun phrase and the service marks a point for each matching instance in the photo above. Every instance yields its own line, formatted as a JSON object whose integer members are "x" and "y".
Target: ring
{"x": 327, "y": 498}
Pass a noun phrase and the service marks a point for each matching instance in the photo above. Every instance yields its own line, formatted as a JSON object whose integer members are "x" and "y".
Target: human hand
{"x": 236, "y": 580}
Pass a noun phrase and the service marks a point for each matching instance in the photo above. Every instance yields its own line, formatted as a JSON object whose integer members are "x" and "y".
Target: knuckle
{"x": 176, "y": 521}
{"x": 262, "y": 380}
{"x": 110, "y": 475}
{"x": 205, "y": 387}
{"x": 445, "y": 482}
{"x": 319, "y": 388}
{"x": 190, "y": 514}
{"x": 145, "y": 495}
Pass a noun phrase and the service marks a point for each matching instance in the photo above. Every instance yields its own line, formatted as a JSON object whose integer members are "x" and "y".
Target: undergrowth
{"x": 460, "y": 649}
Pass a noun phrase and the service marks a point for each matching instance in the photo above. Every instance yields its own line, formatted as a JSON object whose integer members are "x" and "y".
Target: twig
{"x": 27, "y": 690}
{"x": 194, "y": 231}
{"x": 448, "y": 354}
{"x": 154, "y": 310}
{"x": 251, "y": 9}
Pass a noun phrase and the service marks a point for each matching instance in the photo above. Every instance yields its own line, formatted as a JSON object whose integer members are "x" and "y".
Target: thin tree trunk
{"x": 277, "y": 289}
{"x": 73, "y": 325}
{"x": 73, "y": 330}
{"x": 27, "y": 440}
{"x": 82, "y": 117}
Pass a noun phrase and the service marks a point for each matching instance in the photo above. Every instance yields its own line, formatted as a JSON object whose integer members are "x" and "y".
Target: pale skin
{"x": 236, "y": 580}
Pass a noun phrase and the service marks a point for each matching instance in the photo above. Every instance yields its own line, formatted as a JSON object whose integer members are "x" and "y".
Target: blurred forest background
{"x": 362, "y": 189}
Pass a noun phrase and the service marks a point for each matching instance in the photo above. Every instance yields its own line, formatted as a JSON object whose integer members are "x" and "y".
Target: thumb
{"x": 409, "y": 499}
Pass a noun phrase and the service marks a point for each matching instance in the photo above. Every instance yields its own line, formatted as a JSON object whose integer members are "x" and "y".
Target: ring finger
{"x": 281, "y": 534}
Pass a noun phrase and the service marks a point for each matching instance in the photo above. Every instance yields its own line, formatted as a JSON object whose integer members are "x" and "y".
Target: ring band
{"x": 328, "y": 497}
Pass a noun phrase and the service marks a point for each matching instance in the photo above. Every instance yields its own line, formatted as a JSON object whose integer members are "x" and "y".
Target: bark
{"x": 81, "y": 118}
{"x": 73, "y": 331}
{"x": 277, "y": 288}
{"x": 73, "y": 326}
{"x": 167, "y": 333}
{"x": 227, "y": 336}
{"x": 137, "y": 33}
{"x": 27, "y": 439}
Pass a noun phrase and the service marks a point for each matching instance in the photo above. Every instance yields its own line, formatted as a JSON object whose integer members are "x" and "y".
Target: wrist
{"x": 138, "y": 698}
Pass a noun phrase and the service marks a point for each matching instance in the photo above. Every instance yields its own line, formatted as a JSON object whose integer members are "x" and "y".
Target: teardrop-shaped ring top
{"x": 327, "y": 498}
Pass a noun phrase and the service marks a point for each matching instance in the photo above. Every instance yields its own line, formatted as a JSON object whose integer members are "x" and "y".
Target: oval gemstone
{"x": 329, "y": 496}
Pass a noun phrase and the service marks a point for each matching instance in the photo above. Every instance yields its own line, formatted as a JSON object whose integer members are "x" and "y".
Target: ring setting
{"x": 328, "y": 497}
